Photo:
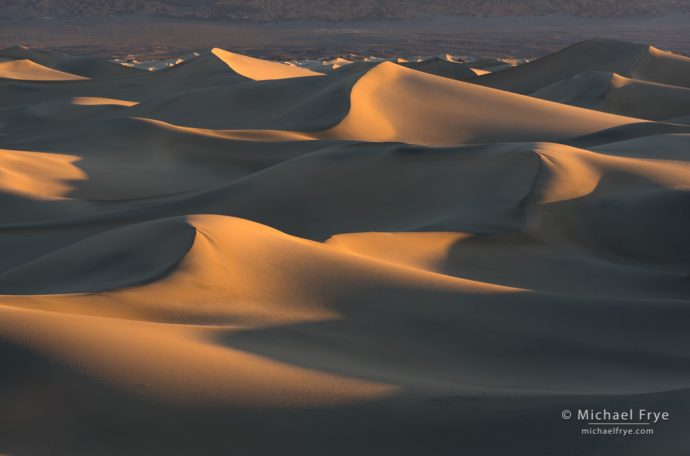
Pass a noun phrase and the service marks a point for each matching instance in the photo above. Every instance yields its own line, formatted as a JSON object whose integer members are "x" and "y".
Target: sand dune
{"x": 99, "y": 101}
{"x": 391, "y": 103}
{"x": 479, "y": 71}
{"x": 88, "y": 67}
{"x": 233, "y": 256}
{"x": 616, "y": 94}
{"x": 627, "y": 59}
{"x": 493, "y": 65}
{"x": 125, "y": 257}
{"x": 339, "y": 63}
{"x": 442, "y": 67}
{"x": 26, "y": 70}
{"x": 260, "y": 70}
{"x": 683, "y": 120}
{"x": 38, "y": 175}
{"x": 294, "y": 103}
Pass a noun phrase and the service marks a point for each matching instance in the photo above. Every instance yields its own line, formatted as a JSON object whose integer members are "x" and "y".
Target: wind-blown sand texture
{"x": 235, "y": 256}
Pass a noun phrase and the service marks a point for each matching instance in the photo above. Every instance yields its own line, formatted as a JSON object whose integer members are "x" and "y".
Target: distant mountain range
{"x": 334, "y": 10}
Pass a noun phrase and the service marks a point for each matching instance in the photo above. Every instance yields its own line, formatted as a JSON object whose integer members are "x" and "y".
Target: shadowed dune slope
{"x": 125, "y": 257}
{"x": 684, "y": 120}
{"x": 88, "y": 67}
{"x": 392, "y": 103}
{"x": 200, "y": 72}
{"x": 306, "y": 104}
{"x": 627, "y": 59}
{"x": 155, "y": 159}
{"x": 442, "y": 67}
{"x": 616, "y": 94}
{"x": 202, "y": 92}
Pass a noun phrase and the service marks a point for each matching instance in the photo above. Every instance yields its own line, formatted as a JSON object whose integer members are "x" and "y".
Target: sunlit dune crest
{"x": 480, "y": 72}
{"x": 100, "y": 101}
{"x": 26, "y": 70}
{"x": 260, "y": 70}
{"x": 38, "y": 175}
{"x": 392, "y": 103}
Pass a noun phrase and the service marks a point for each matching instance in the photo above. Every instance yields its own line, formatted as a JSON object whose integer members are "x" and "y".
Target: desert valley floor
{"x": 239, "y": 256}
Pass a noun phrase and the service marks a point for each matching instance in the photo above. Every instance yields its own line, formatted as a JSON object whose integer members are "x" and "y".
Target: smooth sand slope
{"x": 26, "y": 70}
{"x": 610, "y": 92}
{"x": 88, "y": 67}
{"x": 443, "y": 67}
{"x": 627, "y": 59}
{"x": 233, "y": 256}
{"x": 260, "y": 70}
{"x": 386, "y": 103}
{"x": 391, "y": 103}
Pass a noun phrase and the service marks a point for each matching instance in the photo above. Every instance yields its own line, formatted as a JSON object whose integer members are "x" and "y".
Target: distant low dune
{"x": 26, "y": 70}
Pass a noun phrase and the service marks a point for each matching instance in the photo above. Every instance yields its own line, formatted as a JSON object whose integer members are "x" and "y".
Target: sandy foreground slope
{"x": 234, "y": 256}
